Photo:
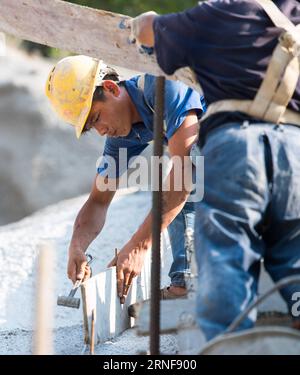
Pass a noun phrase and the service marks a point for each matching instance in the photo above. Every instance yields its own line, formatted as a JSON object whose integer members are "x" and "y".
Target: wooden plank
{"x": 85, "y": 317}
{"x": 43, "y": 336}
{"x": 100, "y": 294}
{"x": 80, "y": 30}
{"x": 171, "y": 313}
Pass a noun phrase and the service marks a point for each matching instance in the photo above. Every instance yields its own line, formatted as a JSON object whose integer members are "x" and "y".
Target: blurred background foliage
{"x": 128, "y": 7}
{"x": 135, "y": 7}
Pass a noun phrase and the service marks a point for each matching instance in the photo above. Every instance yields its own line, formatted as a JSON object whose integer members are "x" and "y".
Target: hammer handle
{"x": 79, "y": 282}
{"x": 75, "y": 287}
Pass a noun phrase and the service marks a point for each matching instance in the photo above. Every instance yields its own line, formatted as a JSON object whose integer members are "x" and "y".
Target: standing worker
{"x": 87, "y": 93}
{"x": 245, "y": 55}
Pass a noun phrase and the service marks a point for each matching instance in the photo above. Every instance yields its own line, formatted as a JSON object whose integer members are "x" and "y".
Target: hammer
{"x": 70, "y": 301}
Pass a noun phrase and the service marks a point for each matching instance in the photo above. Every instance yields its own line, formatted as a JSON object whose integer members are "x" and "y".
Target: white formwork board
{"x": 100, "y": 294}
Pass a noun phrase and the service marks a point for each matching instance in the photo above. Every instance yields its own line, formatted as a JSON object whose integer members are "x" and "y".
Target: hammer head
{"x": 134, "y": 310}
{"x": 68, "y": 301}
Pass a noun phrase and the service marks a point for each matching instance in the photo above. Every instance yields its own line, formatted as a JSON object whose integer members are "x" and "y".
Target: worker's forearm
{"x": 173, "y": 202}
{"x": 88, "y": 224}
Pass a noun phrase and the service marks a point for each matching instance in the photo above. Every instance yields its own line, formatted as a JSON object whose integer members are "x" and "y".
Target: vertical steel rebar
{"x": 156, "y": 218}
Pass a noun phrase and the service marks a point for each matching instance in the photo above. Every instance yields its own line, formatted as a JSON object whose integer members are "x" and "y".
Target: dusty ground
{"x": 18, "y": 250}
{"x": 69, "y": 341}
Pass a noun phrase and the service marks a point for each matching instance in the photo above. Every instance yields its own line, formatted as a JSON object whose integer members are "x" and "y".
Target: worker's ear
{"x": 112, "y": 87}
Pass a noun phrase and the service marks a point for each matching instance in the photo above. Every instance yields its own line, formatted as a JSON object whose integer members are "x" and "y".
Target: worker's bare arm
{"x": 131, "y": 257}
{"x": 88, "y": 224}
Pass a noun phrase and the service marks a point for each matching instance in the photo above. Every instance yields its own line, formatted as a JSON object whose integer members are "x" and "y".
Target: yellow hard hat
{"x": 70, "y": 88}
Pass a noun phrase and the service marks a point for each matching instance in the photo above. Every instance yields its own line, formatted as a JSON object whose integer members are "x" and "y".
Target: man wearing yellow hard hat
{"x": 87, "y": 94}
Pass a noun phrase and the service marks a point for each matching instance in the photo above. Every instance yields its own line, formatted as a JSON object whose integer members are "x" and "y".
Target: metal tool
{"x": 70, "y": 301}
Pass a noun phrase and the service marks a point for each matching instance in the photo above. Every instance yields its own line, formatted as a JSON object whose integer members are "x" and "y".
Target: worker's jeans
{"x": 250, "y": 211}
{"x": 176, "y": 230}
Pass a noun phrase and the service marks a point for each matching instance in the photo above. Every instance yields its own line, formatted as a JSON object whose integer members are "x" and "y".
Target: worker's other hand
{"x": 142, "y": 29}
{"x": 129, "y": 263}
{"x": 78, "y": 269}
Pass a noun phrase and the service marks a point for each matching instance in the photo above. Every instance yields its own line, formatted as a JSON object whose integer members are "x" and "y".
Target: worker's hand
{"x": 77, "y": 266}
{"x": 129, "y": 263}
{"x": 141, "y": 29}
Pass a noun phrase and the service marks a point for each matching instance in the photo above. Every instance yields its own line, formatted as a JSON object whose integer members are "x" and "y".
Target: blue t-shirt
{"x": 179, "y": 99}
{"x": 227, "y": 43}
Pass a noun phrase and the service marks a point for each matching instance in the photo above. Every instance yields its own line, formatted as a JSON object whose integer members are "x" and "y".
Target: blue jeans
{"x": 250, "y": 211}
{"x": 185, "y": 219}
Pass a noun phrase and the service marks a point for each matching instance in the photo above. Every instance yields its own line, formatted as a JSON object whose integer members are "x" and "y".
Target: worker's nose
{"x": 102, "y": 130}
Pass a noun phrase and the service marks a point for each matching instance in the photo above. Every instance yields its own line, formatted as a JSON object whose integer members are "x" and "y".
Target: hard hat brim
{"x": 79, "y": 127}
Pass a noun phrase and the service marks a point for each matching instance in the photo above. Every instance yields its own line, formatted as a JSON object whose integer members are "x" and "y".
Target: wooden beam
{"x": 80, "y": 30}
